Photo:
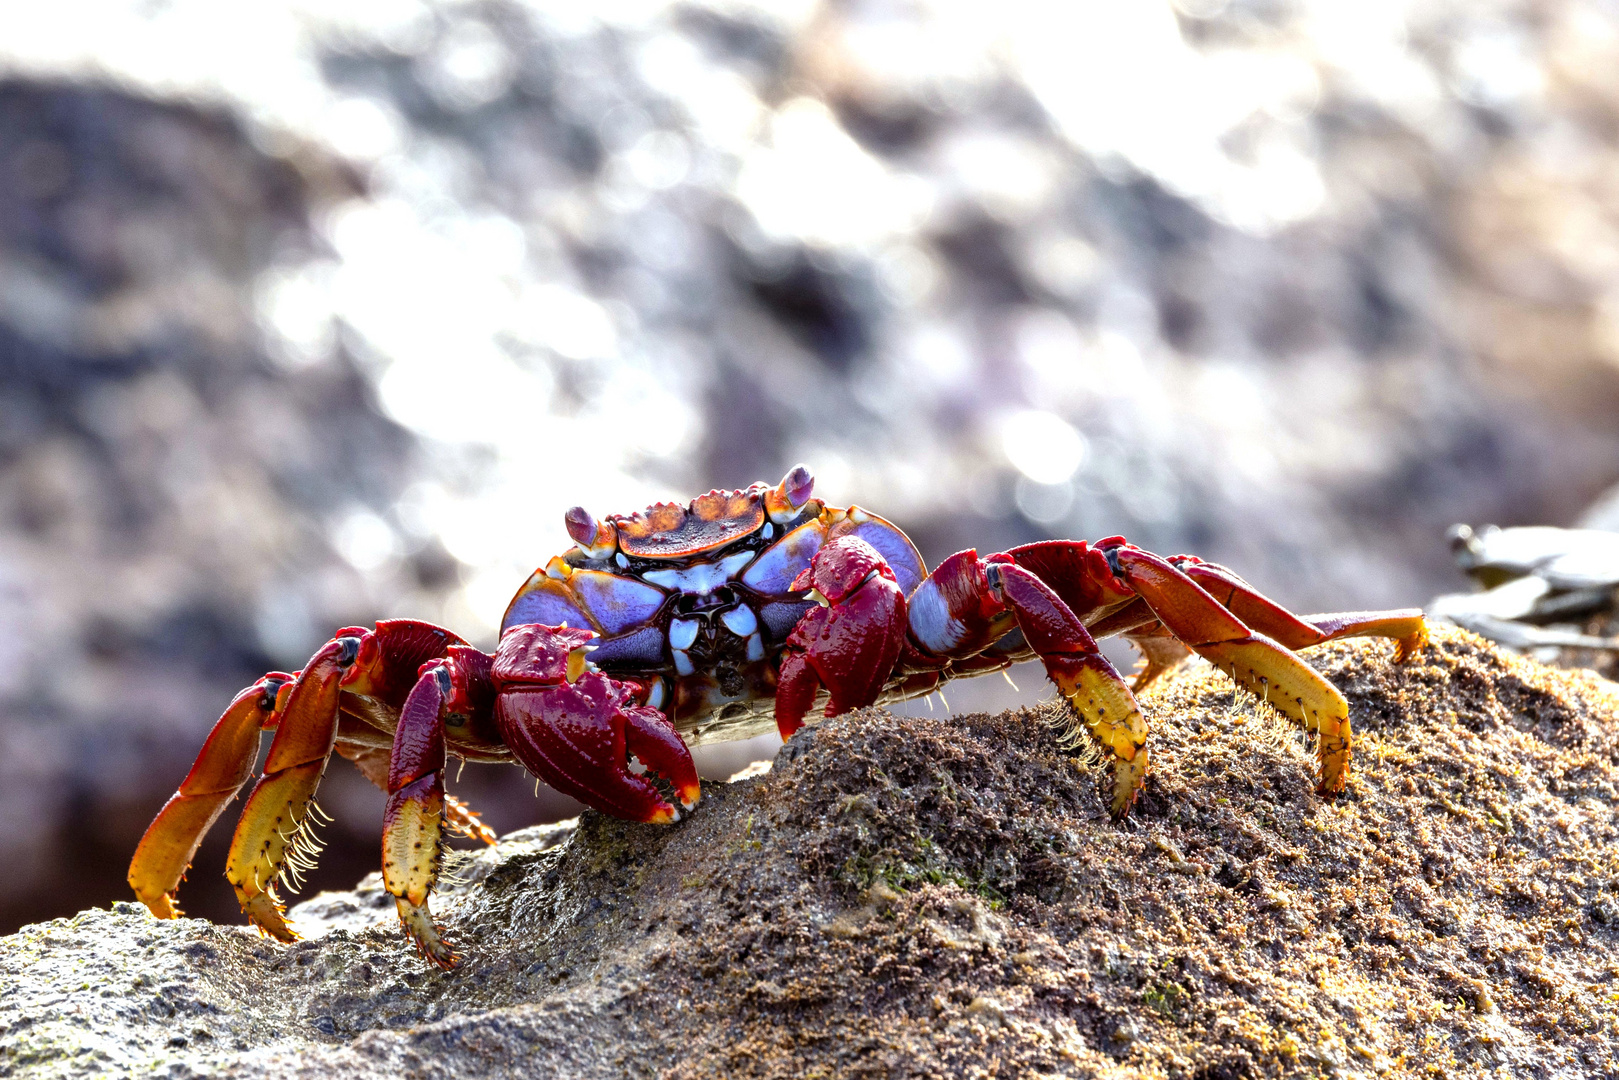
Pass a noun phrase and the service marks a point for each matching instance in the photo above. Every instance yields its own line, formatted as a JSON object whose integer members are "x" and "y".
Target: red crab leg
{"x": 372, "y": 761}
{"x": 575, "y": 728}
{"x": 222, "y": 767}
{"x": 1091, "y": 685}
{"x": 849, "y": 644}
{"x": 412, "y": 825}
{"x": 274, "y": 822}
{"x": 1254, "y": 661}
{"x": 1270, "y": 618}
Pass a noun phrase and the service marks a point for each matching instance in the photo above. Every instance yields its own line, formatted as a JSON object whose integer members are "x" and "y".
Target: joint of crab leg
{"x": 956, "y": 611}
{"x": 784, "y": 501}
{"x": 417, "y": 920}
{"x": 597, "y": 539}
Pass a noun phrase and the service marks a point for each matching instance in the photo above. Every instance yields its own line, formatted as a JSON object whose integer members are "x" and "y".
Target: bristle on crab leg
{"x": 1254, "y": 661}
{"x": 1104, "y": 709}
{"x": 272, "y": 823}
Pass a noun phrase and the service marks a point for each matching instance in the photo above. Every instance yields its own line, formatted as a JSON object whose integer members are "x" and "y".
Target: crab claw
{"x": 850, "y": 644}
{"x": 575, "y": 728}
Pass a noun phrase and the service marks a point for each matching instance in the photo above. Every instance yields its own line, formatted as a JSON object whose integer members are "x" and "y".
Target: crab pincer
{"x": 849, "y": 644}
{"x": 575, "y": 728}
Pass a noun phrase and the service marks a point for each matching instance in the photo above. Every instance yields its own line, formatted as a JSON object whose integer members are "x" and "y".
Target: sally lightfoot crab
{"x": 681, "y": 625}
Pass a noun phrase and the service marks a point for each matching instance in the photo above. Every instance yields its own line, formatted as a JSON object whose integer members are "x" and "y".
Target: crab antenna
{"x": 597, "y": 538}
{"x": 787, "y": 497}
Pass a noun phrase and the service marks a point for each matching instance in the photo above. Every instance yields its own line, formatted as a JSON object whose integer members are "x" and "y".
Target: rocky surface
{"x": 946, "y": 897}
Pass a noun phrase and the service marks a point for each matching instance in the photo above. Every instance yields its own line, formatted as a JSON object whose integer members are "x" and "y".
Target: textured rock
{"x": 945, "y": 896}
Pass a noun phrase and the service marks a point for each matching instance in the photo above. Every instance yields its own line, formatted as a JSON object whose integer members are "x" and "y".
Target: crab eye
{"x": 784, "y": 500}
{"x": 581, "y": 526}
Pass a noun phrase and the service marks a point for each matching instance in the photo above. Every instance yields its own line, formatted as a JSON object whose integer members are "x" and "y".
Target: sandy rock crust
{"x": 946, "y": 897}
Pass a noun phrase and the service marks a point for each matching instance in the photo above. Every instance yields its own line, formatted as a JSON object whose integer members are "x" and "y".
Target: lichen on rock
{"x": 946, "y": 896}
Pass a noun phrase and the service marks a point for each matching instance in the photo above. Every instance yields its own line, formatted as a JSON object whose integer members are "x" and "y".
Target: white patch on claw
{"x": 683, "y": 665}
{"x": 756, "y": 647}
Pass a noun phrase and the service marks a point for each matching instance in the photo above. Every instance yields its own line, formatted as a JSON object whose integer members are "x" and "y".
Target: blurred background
{"x": 317, "y": 313}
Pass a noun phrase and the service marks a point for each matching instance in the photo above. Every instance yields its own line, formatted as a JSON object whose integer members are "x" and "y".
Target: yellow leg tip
{"x": 1407, "y": 647}
{"x": 266, "y": 914}
{"x": 417, "y": 919}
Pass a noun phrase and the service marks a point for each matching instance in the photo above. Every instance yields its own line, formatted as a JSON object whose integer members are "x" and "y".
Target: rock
{"x": 946, "y": 896}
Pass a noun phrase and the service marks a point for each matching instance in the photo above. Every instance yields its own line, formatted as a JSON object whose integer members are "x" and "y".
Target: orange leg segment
{"x": 1405, "y": 625}
{"x": 274, "y": 823}
{"x": 1093, "y": 688}
{"x": 1254, "y": 661}
{"x": 222, "y": 767}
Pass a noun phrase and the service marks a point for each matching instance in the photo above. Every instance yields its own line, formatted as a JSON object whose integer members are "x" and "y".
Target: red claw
{"x": 575, "y": 728}
{"x": 849, "y": 646}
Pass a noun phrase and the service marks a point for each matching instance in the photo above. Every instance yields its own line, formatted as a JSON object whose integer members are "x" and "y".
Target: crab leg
{"x": 272, "y": 836}
{"x": 1095, "y": 690}
{"x": 1255, "y": 662}
{"x": 222, "y": 767}
{"x": 412, "y": 825}
{"x": 274, "y": 819}
{"x": 1406, "y": 625}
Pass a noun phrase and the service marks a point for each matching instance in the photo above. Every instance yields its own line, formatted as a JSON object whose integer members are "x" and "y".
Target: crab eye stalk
{"x": 785, "y": 500}
{"x": 597, "y": 539}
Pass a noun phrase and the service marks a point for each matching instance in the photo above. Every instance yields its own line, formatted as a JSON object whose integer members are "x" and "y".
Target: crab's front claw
{"x": 575, "y": 728}
{"x": 848, "y": 645}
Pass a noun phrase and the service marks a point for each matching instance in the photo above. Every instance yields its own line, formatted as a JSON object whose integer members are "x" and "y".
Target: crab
{"x": 1542, "y": 587}
{"x": 687, "y": 624}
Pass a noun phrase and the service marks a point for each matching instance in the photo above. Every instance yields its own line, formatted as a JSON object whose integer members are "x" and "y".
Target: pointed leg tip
{"x": 1407, "y": 647}
{"x": 417, "y": 919}
{"x": 161, "y": 906}
{"x": 663, "y": 814}
{"x": 268, "y": 918}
